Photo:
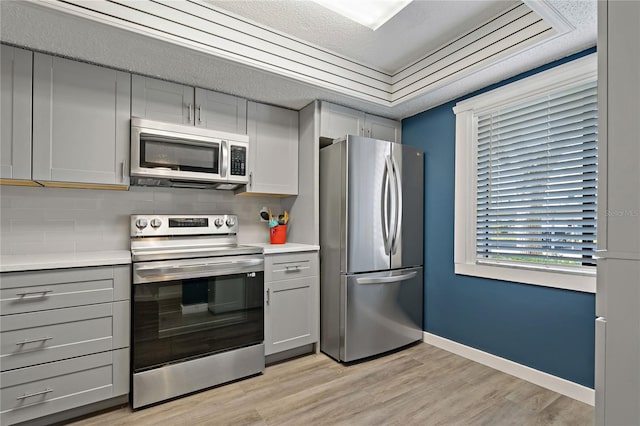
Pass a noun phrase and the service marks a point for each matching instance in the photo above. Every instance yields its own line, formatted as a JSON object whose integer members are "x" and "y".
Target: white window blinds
{"x": 537, "y": 180}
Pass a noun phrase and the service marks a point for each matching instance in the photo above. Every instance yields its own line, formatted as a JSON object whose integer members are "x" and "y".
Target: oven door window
{"x": 183, "y": 319}
{"x": 173, "y": 155}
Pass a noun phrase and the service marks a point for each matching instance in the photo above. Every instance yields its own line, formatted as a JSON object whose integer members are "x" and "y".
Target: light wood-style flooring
{"x": 421, "y": 385}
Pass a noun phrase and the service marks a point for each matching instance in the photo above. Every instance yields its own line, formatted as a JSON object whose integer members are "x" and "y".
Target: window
{"x": 526, "y": 180}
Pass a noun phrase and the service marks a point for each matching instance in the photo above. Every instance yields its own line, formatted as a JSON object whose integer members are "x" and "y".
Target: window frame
{"x": 574, "y": 73}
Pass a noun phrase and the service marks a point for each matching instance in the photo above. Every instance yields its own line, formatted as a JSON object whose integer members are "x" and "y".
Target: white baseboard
{"x": 540, "y": 378}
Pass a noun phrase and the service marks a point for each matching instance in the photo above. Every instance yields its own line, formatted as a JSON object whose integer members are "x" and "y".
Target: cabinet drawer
{"x": 39, "y": 337}
{"x": 40, "y": 290}
{"x": 290, "y": 265}
{"x": 33, "y": 392}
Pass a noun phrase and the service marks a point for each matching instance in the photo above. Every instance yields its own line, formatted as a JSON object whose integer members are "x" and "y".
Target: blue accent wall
{"x": 548, "y": 329}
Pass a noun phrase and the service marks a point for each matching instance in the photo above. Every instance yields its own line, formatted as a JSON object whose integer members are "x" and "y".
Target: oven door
{"x": 191, "y": 308}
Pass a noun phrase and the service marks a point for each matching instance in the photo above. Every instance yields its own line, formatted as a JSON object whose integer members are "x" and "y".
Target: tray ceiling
{"x": 431, "y": 47}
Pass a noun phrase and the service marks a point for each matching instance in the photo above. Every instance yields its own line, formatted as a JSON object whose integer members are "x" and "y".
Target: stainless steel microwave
{"x": 165, "y": 154}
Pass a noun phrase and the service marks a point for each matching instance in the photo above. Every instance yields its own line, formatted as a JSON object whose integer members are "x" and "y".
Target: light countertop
{"x": 286, "y": 248}
{"x": 32, "y": 262}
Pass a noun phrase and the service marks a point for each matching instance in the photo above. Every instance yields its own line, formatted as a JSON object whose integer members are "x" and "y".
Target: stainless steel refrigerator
{"x": 371, "y": 235}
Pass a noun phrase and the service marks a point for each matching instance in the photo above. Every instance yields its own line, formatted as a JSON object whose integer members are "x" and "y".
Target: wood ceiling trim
{"x": 200, "y": 26}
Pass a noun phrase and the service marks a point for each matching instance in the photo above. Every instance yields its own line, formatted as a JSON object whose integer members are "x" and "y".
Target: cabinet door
{"x": 161, "y": 100}
{"x": 15, "y": 136}
{"x": 337, "y": 121}
{"x": 382, "y": 128}
{"x": 219, "y": 111}
{"x": 81, "y": 116}
{"x": 273, "y": 150}
{"x": 291, "y": 314}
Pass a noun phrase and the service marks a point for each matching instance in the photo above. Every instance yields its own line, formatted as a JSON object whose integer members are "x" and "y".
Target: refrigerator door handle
{"x": 398, "y": 207}
{"x": 387, "y": 228}
{"x": 386, "y": 280}
{"x": 393, "y": 195}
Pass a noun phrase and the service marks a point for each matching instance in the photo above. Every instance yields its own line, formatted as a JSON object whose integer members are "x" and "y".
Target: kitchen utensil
{"x": 273, "y": 223}
{"x": 264, "y": 215}
{"x": 281, "y": 220}
{"x": 286, "y": 217}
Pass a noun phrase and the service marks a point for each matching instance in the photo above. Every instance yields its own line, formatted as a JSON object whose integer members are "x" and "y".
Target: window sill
{"x": 584, "y": 282}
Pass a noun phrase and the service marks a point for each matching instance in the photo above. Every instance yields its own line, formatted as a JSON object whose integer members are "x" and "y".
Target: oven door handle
{"x": 201, "y": 269}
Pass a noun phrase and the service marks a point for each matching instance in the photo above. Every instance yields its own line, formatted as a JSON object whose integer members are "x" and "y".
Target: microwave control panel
{"x": 238, "y": 160}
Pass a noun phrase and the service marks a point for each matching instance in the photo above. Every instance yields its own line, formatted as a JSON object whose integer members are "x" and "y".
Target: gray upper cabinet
{"x": 81, "y": 116}
{"x": 161, "y": 100}
{"x": 176, "y": 103}
{"x": 273, "y": 150}
{"x": 218, "y": 111}
{"x": 15, "y": 110}
{"x": 382, "y": 128}
{"x": 337, "y": 121}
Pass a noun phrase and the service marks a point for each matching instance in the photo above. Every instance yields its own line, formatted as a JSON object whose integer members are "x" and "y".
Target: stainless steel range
{"x": 198, "y": 305}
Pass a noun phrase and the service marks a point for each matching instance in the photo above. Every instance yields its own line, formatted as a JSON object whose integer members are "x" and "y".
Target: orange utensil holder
{"x": 278, "y": 234}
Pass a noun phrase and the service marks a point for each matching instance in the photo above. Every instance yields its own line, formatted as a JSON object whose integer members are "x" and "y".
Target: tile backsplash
{"x": 45, "y": 220}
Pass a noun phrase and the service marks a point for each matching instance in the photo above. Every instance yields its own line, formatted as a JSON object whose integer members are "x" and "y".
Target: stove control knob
{"x": 156, "y": 223}
{"x": 218, "y": 222}
{"x": 141, "y": 223}
{"x": 231, "y": 221}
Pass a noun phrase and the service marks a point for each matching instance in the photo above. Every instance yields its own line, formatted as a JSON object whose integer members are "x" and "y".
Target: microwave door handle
{"x": 224, "y": 159}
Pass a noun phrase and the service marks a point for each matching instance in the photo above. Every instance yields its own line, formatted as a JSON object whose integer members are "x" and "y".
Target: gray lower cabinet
{"x": 15, "y": 113}
{"x": 177, "y": 103}
{"x": 292, "y": 301}
{"x": 81, "y": 116}
{"x": 337, "y": 121}
{"x": 64, "y": 339}
{"x": 273, "y": 151}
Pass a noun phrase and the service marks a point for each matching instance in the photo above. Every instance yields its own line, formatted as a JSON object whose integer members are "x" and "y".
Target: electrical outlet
{"x": 266, "y": 212}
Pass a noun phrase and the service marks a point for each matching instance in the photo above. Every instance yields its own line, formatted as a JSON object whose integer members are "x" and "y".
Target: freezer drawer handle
{"x": 386, "y": 280}
{"x": 29, "y": 395}
{"x": 41, "y": 339}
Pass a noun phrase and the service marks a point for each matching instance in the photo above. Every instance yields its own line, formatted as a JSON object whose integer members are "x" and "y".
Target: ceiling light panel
{"x": 370, "y": 13}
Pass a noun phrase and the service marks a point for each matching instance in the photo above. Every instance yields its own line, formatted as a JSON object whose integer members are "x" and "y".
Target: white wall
{"x": 44, "y": 220}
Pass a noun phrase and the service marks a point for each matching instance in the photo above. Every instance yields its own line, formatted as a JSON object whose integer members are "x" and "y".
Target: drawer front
{"x": 289, "y": 266}
{"x": 54, "y": 296}
{"x": 39, "y": 337}
{"x": 32, "y": 392}
{"x": 119, "y": 276}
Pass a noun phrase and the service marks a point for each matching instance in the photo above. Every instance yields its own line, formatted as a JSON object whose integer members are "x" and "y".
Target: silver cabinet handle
{"x": 292, "y": 268}
{"x": 386, "y": 280}
{"x": 42, "y": 293}
{"x": 268, "y": 295}
{"x": 189, "y": 113}
{"x": 124, "y": 169}
{"x": 199, "y": 114}
{"x": 29, "y": 395}
{"x": 250, "y": 179}
{"x": 41, "y": 339}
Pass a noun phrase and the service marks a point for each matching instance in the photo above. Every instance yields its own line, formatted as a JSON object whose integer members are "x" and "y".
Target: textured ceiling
{"x": 34, "y": 26}
{"x": 419, "y": 28}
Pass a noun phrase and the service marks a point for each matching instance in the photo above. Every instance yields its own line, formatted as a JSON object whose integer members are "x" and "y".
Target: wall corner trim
{"x": 540, "y": 378}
